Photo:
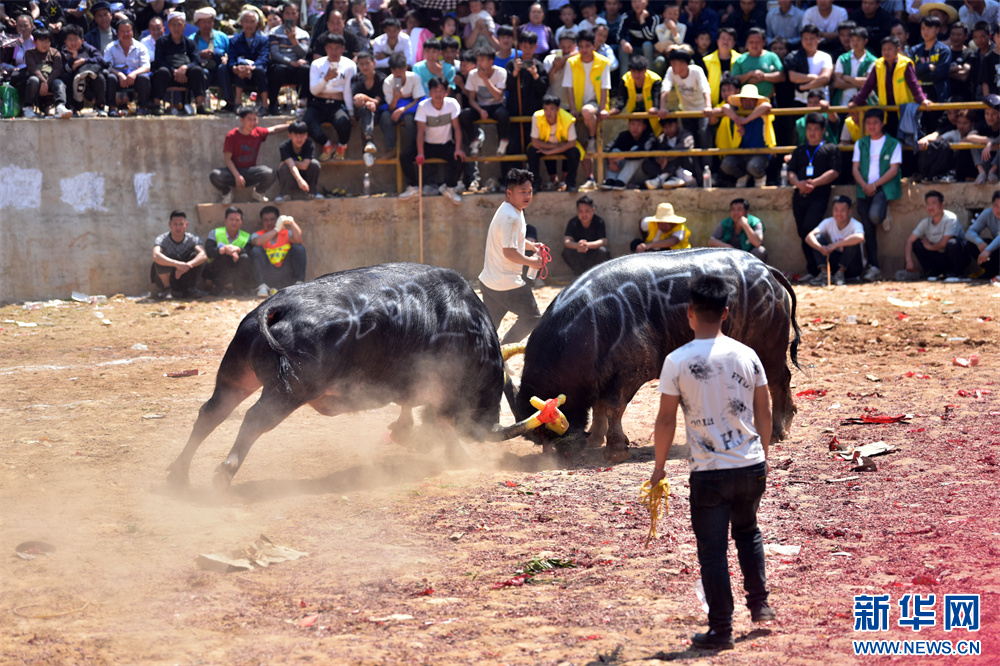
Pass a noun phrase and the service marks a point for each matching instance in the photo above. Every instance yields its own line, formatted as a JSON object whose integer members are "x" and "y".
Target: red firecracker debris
{"x": 516, "y": 581}
{"x": 901, "y": 316}
{"x": 924, "y": 580}
{"x": 308, "y": 621}
{"x": 811, "y": 394}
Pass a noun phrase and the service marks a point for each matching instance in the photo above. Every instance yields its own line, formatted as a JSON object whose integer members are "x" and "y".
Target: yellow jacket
{"x": 900, "y": 90}
{"x": 727, "y": 136}
{"x": 647, "y": 95}
{"x": 576, "y": 66}
{"x": 564, "y": 120}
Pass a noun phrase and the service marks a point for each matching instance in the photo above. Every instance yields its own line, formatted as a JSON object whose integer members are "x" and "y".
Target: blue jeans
{"x": 718, "y": 498}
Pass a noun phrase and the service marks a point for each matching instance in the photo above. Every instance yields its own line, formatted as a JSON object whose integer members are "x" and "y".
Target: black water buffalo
{"x": 404, "y": 333}
{"x": 608, "y": 333}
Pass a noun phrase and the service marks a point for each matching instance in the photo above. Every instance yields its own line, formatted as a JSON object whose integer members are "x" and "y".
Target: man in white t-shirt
{"x": 938, "y": 242}
{"x": 695, "y": 95}
{"x": 808, "y": 67}
{"x": 485, "y": 88}
{"x": 330, "y": 80}
{"x": 503, "y": 289}
{"x": 721, "y": 385}
{"x": 826, "y": 16}
{"x": 837, "y": 241}
{"x": 878, "y": 182}
{"x": 438, "y": 136}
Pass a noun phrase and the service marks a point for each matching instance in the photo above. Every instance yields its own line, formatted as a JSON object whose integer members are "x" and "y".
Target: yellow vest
{"x": 855, "y": 131}
{"x": 713, "y": 70}
{"x": 727, "y": 136}
{"x": 564, "y": 119}
{"x": 647, "y": 96}
{"x": 900, "y": 90}
{"x": 576, "y": 66}
{"x": 655, "y": 233}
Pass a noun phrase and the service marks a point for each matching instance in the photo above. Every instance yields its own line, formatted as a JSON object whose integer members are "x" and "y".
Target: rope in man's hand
{"x": 651, "y": 497}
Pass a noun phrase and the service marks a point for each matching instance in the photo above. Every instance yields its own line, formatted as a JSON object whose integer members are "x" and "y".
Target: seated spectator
{"x": 986, "y": 132}
{"x": 750, "y": 114}
{"x": 807, "y": 67}
{"x": 19, "y": 45}
{"x": 393, "y": 40}
{"x": 228, "y": 265}
{"x": 402, "y": 91}
{"x": 938, "y": 242}
{"x": 663, "y": 231}
{"x": 699, "y": 18}
{"x": 937, "y": 162}
{"x": 555, "y": 66}
{"x": 486, "y": 85}
{"x": 44, "y": 67}
{"x": 669, "y": 35}
{"x": 695, "y": 95}
{"x": 298, "y": 173}
{"x": 156, "y": 30}
{"x": 851, "y": 69}
{"x": 536, "y": 26}
{"x": 361, "y": 26}
{"x": 817, "y": 100}
{"x": 368, "y": 102}
{"x": 876, "y": 162}
{"x": 83, "y": 70}
{"x": 240, "y": 153}
{"x": 527, "y": 82}
{"x": 837, "y": 242}
{"x": 641, "y": 90}
{"x": 128, "y": 69}
{"x": 53, "y": 16}
{"x": 177, "y": 260}
{"x": 178, "y": 64}
{"x": 553, "y": 132}
{"x": 601, "y": 47}
{"x": 101, "y": 35}
{"x": 636, "y": 34}
{"x": 812, "y": 170}
{"x": 585, "y": 243}
{"x": 330, "y": 82}
{"x": 276, "y": 253}
{"x": 213, "y": 47}
{"x": 904, "y": 88}
{"x": 439, "y": 136}
{"x": 335, "y": 25}
{"x": 741, "y": 231}
{"x": 638, "y": 137}
{"x": 758, "y": 65}
{"x": 986, "y": 251}
{"x": 288, "y": 48}
{"x": 432, "y": 65}
{"x": 505, "y": 51}
{"x": 249, "y": 54}
{"x": 671, "y": 172}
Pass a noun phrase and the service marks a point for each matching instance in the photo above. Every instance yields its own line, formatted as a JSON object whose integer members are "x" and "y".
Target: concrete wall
{"x": 82, "y": 200}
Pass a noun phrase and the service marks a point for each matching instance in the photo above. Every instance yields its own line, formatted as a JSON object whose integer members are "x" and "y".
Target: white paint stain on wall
{"x": 20, "y": 188}
{"x": 84, "y": 192}
{"x": 142, "y": 182}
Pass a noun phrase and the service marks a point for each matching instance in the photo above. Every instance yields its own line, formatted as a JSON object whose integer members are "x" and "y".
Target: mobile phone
{"x": 289, "y": 24}
{"x": 558, "y": 53}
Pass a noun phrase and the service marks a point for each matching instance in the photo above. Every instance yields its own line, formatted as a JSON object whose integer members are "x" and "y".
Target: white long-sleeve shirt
{"x": 346, "y": 71}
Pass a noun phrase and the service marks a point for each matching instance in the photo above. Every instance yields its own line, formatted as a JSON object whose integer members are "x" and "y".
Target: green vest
{"x": 727, "y": 231}
{"x": 893, "y": 189}
{"x": 845, "y": 64}
{"x": 222, "y": 238}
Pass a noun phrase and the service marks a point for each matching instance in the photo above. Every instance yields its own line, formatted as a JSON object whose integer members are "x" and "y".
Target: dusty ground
{"x": 89, "y": 424}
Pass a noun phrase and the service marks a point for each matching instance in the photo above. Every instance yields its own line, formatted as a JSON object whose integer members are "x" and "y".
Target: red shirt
{"x": 244, "y": 147}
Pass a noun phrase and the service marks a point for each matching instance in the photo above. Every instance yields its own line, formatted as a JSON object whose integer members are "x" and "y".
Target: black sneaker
{"x": 763, "y": 613}
{"x": 608, "y": 184}
{"x": 713, "y": 641}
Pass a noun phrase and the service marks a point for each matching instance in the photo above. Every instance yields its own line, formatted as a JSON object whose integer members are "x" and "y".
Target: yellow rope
{"x": 651, "y": 497}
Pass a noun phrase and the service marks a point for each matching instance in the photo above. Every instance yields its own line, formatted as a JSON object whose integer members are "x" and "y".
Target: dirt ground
{"x": 406, "y": 548}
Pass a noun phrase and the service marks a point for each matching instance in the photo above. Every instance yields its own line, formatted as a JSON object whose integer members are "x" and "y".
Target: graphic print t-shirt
{"x": 715, "y": 380}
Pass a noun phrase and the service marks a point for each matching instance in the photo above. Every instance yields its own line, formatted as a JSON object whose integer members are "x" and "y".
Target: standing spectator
{"x": 722, "y": 389}
{"x": 641, "y": 91}
{"x": 439, "y": 136}
{"x": 989, "y": 70}
{"x": 392, "y": 41}
{"x": 298, "y": 173}
{"x": 553, "y": 132}
{"x": 288, "y": 48}
{"x": 876, "y": 172}
{"x": 838, "y": 241}
{"x": 368, "y": 101}
{"x": 851, "y": 69}
{"x": 44, "y": 66}
{"x": 750, "y": 14}
{"x": 904, "y": 88}
{"x": 785, "y": 21}
{"x": 877, "y": 21}
{"x": 671, "y": 172}
{"x": 178, "y": 64}
{"x": 331, "y": 101}
{"x": 808, "y": 67}
{"x": 360, "y": 25}
{"x": 960, "y": 71}
{"x": 277, "y": 254}
{"x": 585, "y": 242}
{"x": 932, "y": 61}
{"x": 826, "y": 16}
{"x": 527, "y": 82}
{"x": 784, "y": 95}
{"x": 697, "y": 17}
{"x": 720, "y": 63}
{"x": 636, "y": 34}
{"x": 813, "y": 168}
{"x": 177, "y": 260}
{"x": 741, "y": 231}
{"x": 621, "y": 169}
{"x": 750, "y": 114}
{"x": 938, "y": 242}
{"x": 587, "y": 78}
{"x": 695, "y": 95}
{"x": 987, "y": 134}
{"x": 213, "y": 47}
{"x": 101, "y": 35}
{"x": 486, "y": 85}
{"x": 982, "y": 41}
{"x": 83, "y": 68}
{"x": 156, "y": 30}
{"x": 402, "y": 92}
{"x": 901, "y": 32}
{"x": 128, "y": 68}
{"x": 536, "y": 26}
{"x": 240, "y": 151}
{"x": 758, "y": 66}
{"x": 228, "y": 264}
{"x": 249, "y": 52}
{"x": 986, "y": 251}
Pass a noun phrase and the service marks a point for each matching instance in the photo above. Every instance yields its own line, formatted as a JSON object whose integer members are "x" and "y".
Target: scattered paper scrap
{"x": 261, "y": 553}
{"x": 182, "y": 373}
{"x": 900, "y": 303}
{"x": 772, "y": 549}
{"x": 395, "y": 617}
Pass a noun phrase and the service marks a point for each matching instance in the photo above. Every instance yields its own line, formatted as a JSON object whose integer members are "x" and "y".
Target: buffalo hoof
{"x": 615, "y": 456}
{"x": 177, "y": 477}
{"x": 221, "y": 481}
